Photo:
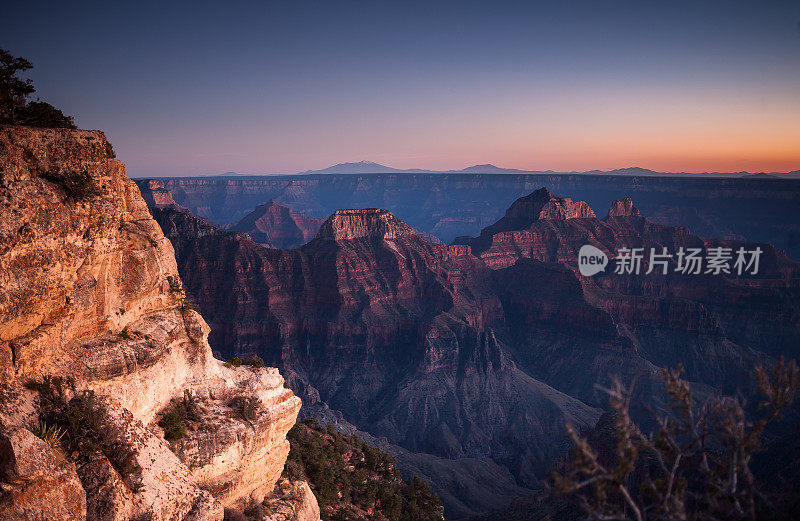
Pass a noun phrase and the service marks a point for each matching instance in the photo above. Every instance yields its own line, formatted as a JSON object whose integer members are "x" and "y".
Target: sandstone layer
{"x": 91, "y": 294}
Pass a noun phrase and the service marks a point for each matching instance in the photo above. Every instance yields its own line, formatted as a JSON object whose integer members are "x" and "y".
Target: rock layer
{"x": 91, "y": 293}
{"x": 371, "y": 223}
{"x": 451, "y": 205}
{"x": 411, "y": 319}
{"x": 483, "y": 348}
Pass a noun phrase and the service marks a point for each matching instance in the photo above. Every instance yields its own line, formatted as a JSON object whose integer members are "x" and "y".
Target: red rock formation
{"x": 482, "y": 348}
{"x": 155, "y": 194}
{"x": 368, "y": 306}
{"x": 359, "y": 224}
{"x": 277, "y": 226}
{"x": 718, "y": 327}
{"x": 623, "y": 208}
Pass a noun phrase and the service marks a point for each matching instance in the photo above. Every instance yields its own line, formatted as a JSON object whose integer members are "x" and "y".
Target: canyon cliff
{"x": 395, "y": 332}
{"x": 488, "y": 346}
{"x": 97, "y": 345}
{"x": 454, "y": 204}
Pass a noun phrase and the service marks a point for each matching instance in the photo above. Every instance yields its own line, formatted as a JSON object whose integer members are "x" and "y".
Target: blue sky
{"x": 264, "y": 87}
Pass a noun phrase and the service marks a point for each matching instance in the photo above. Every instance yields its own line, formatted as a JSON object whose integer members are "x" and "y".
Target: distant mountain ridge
{"x": 361, "y": 167}
{"x": 371, "y": 167}
{"x": 451, "y": 205}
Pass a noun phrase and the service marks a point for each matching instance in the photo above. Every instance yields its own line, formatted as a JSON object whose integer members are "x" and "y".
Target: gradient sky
{"x": 269, "y": 87}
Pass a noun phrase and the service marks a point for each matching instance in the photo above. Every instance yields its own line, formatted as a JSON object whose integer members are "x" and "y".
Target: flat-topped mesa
{"x": 363, "y": 223}
{"x": 623, "y": 208}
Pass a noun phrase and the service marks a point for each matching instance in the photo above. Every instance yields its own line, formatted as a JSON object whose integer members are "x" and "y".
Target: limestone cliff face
{"x": 89, "y": 291}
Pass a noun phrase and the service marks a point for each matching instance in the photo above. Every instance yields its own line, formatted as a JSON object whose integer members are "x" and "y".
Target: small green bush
{"x": 175, "y": 284}
{"x": 254, "y": 361}
{"x": 231, "y": 514}
{"x": 50, "y": 434}
{"x": 254, "y": 510}
{"x": 172, "y": 423}
{"x": 76, "y": 185}
{"x": 51, "y": 391}
{"x": 247, "y": 407}
{"x": 234, "y": 362}
{"x": 186, "y": 409}
{"x": 88, "y": 423}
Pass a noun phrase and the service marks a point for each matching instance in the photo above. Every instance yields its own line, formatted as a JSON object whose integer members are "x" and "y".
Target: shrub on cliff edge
{"x": 353, "y": 480}
{"x": 178, "y": 413}
{"x": 14, "y": 93}
{"x": 247, "y": 407}
{"x": 76, "y": 186}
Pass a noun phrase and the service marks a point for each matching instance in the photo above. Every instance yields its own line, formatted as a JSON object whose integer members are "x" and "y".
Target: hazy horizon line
{"x": 498, "y": 171}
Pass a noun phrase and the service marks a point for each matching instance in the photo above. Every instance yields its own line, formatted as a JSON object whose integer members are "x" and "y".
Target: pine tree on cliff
{"x": 15, "y": 109}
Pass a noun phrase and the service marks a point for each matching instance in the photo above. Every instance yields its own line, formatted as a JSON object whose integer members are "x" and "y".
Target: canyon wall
{"x": 92, "y": 311}
{"x": 451, "y": 205}
{"x": 487, "y": 347}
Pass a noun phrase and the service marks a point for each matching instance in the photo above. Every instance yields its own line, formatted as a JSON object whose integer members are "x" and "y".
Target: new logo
{"x": 591, "y": 260}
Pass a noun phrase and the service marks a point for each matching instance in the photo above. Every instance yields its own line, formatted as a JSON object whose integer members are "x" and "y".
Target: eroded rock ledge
{"x": 90, "y": 293}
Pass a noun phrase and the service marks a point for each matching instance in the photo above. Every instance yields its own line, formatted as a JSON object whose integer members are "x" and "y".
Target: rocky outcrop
{"x": 541, "y": 205}
{"x": 277, "y": 226}
{"x": 623, "y": 208}
{"x": 293, "y": 501}
{"x": 371, "y": 223}
{"x": 235, "y": 459}
{"x": 156, "y": 195}
{"x": 91, "y": 295}
{"x": 38, "y": 483}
